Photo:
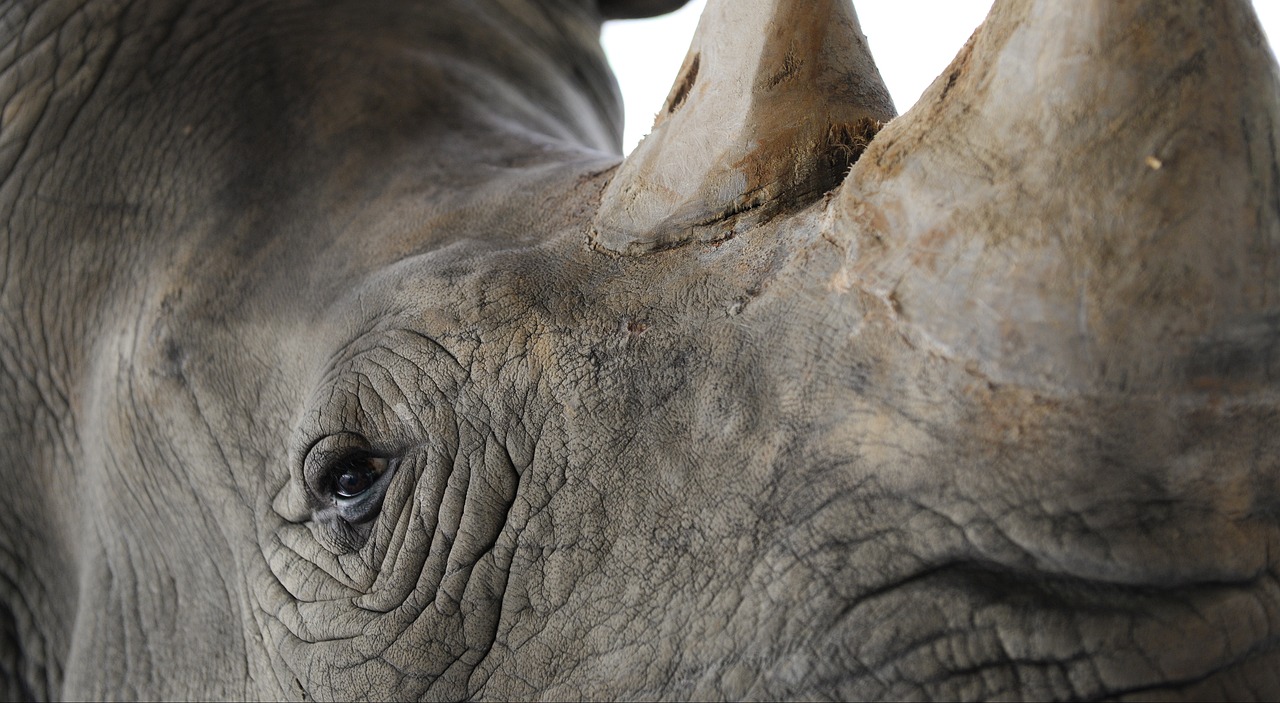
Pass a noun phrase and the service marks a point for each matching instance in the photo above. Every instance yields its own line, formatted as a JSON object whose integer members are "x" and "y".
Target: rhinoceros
{"x": 344, "y": 357}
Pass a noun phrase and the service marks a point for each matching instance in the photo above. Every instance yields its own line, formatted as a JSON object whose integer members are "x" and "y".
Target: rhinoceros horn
{"x": 756, "y": 123}
{"x": 1087, "y": 199}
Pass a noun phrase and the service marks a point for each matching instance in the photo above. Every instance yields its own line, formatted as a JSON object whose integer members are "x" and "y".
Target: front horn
{"x": 1088, "y": 198}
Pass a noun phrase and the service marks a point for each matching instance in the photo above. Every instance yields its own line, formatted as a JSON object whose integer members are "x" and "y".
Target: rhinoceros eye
{"x": 355, "y": 474}
{"x": 348, "y": 475}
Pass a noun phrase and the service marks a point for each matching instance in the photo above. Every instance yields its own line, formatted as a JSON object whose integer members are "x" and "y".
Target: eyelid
{"x": 328, "y": 455}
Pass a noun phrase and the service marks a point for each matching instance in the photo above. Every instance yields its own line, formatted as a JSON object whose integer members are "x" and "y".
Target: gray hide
{"x": 340, "y": 358}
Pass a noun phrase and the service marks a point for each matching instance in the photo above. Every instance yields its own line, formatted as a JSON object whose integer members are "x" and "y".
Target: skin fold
{"x": 805, "y": 400}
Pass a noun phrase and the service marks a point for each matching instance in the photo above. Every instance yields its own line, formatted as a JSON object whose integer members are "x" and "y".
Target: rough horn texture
{"x": 315, "y": 384}
{"x": 1136, "y": 251}
{"x": 757, "y": 123}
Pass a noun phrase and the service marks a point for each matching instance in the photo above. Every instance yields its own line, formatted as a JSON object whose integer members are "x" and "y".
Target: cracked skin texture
{"x": 743, "y": 469}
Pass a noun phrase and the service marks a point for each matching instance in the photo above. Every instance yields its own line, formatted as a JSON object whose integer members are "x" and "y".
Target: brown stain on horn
{"x": 688, "y": 78}
{"x": 776, "y": 100}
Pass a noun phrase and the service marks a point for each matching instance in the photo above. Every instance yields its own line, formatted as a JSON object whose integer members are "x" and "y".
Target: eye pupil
{"x": 355, "y": 478}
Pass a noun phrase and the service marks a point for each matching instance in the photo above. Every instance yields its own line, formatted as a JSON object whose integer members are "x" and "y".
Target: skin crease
{"x": 792, "y": 461}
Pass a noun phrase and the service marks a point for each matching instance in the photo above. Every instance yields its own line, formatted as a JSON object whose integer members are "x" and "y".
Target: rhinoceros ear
{"x": 632, "y": 9}
{"x": 775, "y": 100}
{"x": 1088, "y": 196}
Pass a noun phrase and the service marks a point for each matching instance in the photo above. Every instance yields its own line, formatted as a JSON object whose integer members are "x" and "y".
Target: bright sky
{"x": 913, "y": 41}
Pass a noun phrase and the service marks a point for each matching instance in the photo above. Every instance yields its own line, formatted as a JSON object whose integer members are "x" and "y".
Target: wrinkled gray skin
{"x": 240, "y": 236}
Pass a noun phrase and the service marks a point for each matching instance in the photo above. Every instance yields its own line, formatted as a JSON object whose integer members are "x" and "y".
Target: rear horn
{"x": 775, "y": 100}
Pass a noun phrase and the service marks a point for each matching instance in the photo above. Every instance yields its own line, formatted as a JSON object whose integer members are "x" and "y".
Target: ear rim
{"x": 638, "y": 9}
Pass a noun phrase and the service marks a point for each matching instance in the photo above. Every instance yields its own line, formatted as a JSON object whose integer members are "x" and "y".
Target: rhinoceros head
{"x": 344, "y": 360}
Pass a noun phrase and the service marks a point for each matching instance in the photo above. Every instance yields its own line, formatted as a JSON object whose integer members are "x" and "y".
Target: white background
{"x": 912, "y": 40}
